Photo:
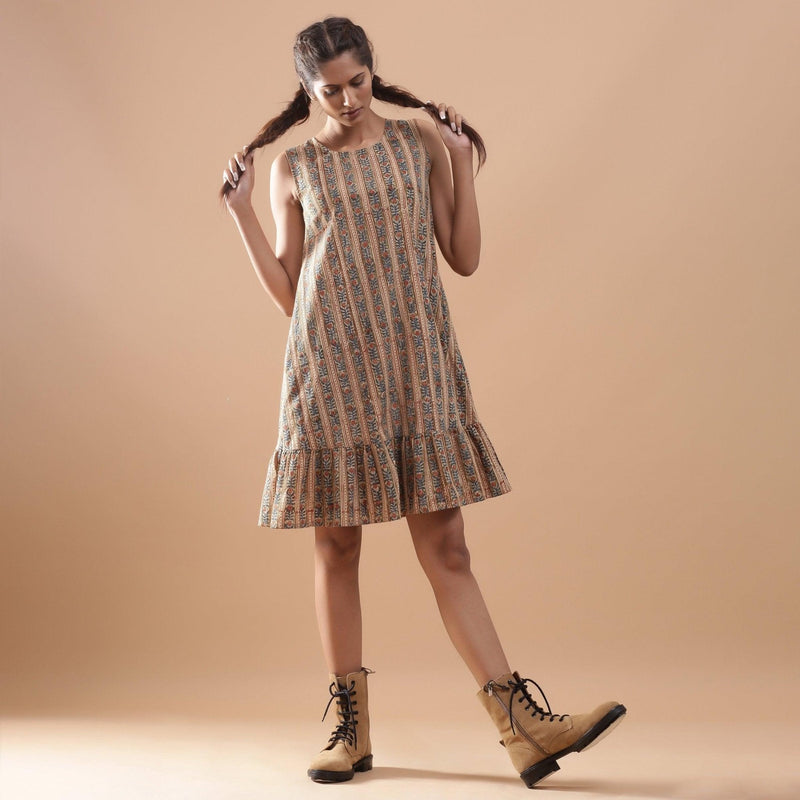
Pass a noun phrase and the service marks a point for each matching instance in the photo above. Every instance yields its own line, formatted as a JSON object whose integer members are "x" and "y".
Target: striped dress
{"x": 376, "y": 414}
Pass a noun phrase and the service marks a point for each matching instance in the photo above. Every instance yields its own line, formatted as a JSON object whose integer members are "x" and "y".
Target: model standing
{"x": 377, "y": 420}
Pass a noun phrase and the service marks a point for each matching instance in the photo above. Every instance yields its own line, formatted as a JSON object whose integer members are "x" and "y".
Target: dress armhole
{"x": 417, "y": 125}
{"x": 294, "y": 165}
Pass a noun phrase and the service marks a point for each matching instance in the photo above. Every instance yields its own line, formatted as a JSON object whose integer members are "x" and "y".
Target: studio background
{"x": 630, "y": 336}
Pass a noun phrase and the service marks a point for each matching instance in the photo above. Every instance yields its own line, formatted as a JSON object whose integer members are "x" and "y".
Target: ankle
{"x": 346, "y": 669}
{"x": 486, "y": 677}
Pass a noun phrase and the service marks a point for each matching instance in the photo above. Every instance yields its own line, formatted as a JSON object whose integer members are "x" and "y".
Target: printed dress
{"x": 376, "y": 414}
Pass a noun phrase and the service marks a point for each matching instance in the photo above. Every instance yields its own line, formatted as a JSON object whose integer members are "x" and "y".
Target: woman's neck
{"x": 336, "y": 136}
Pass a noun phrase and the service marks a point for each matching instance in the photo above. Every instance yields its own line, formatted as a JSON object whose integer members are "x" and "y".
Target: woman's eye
{"x": 332, "y": 92}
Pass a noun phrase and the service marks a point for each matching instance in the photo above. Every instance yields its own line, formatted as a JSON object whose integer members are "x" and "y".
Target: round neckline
{"x": 358, "y": 149}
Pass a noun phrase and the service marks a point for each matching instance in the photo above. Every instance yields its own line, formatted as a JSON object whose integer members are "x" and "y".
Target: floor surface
{"x": 171, "y": 758}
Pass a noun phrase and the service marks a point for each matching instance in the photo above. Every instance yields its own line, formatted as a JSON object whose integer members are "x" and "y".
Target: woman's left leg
{"x": 534, "y": 739}
{"x": 442, "y": 551}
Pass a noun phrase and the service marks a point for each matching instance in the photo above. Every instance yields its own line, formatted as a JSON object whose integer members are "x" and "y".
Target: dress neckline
{"x": 358, "y": 149}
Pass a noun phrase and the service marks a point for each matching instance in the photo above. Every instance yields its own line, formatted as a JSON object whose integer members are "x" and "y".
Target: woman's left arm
{"x": 455, "y": 207}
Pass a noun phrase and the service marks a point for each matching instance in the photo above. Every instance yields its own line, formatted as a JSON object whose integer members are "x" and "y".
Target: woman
{"x": 377, "y": 420}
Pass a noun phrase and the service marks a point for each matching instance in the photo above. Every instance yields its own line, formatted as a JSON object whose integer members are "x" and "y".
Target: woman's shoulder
{"x": 297, "y": 149}
{"x": 414, "y": 123}
{"x": 422, "y": 132}
{"x": 417, "y": 130}
{"x": 294, "y": 156}
{"x": 288, "y": 162}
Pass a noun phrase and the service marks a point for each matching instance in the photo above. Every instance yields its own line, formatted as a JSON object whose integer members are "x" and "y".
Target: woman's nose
{"x": 348, "y": 99}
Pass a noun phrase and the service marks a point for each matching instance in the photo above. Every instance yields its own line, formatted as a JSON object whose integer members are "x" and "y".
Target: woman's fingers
{"x": 455, "y": 119}
{"x": 449, "y": 115}
{"x": 235, "y": 165}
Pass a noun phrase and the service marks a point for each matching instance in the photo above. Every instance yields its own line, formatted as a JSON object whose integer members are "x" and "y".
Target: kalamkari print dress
{"x": 376, "y": 414}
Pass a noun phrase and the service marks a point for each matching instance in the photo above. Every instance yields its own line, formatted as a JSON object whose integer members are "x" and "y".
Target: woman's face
{"x": 343, "y": 88}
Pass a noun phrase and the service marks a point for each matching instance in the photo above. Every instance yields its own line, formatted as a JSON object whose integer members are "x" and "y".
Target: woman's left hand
{"x": 449, "y": 124}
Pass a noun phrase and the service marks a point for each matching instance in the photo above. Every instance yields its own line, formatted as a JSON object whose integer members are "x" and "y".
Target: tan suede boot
{"x": 535, "y": 738}
{"x": 349, "y": 749}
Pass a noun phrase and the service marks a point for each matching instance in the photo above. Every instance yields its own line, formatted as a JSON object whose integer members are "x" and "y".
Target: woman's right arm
{"x": 278, "y": 270}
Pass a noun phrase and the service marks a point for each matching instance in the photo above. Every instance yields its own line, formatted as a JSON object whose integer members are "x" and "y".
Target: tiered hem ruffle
{"x": 380, "y": 481}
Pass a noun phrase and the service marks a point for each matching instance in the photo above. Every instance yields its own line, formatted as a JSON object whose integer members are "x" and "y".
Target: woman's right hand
{"x": 241, "y": 177}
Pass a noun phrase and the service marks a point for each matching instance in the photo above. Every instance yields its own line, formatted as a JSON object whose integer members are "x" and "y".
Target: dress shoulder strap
{"x": 302, "y": 163}
{"x": 411, "y": 130}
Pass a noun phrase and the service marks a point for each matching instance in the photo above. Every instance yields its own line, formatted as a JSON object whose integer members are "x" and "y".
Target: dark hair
{"x": 324, "y": 41}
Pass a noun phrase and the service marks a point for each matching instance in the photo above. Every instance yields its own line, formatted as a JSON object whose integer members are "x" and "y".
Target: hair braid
{"x": 402, "y": 97}
{"x": 296, "y": 111}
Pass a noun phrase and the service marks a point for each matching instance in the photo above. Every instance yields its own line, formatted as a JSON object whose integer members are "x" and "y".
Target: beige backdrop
{"x": 631, "y": 339}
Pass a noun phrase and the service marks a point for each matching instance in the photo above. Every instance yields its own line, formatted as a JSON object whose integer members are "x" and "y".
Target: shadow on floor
{"x": 396, "y": 773}
{"x": 707, "y": 790}
{"x": 617, "y": 788}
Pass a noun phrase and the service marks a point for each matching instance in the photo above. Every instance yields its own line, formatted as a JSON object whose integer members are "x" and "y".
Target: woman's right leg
{"x": 349, "y": 748}
{"x": 338, "y": 601}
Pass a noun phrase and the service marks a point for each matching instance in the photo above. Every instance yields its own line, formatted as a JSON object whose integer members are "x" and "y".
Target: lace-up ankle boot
{"x": 349, "y": 749}
{"x": 534, "y": 738}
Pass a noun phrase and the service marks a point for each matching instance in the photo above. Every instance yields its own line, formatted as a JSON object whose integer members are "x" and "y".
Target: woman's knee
{"x": 440, "y": 544}
{"x": 452, "y": 555}
{"x": 338, "y": 548}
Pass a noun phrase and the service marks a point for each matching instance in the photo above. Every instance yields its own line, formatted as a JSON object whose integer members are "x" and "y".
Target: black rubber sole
{"x": 549, "y": 765}
{"x": 329, "y": 776}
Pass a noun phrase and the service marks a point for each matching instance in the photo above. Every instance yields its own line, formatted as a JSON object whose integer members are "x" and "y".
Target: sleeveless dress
{"x": 376, "y": 414}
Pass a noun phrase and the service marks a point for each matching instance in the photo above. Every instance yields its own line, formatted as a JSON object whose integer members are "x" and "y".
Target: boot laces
{"x": 518, "y": 685}
{"x": 347, "y": 730}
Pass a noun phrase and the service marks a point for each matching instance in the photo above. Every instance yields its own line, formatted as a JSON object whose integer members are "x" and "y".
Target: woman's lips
{"x": 351, "y": 113}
